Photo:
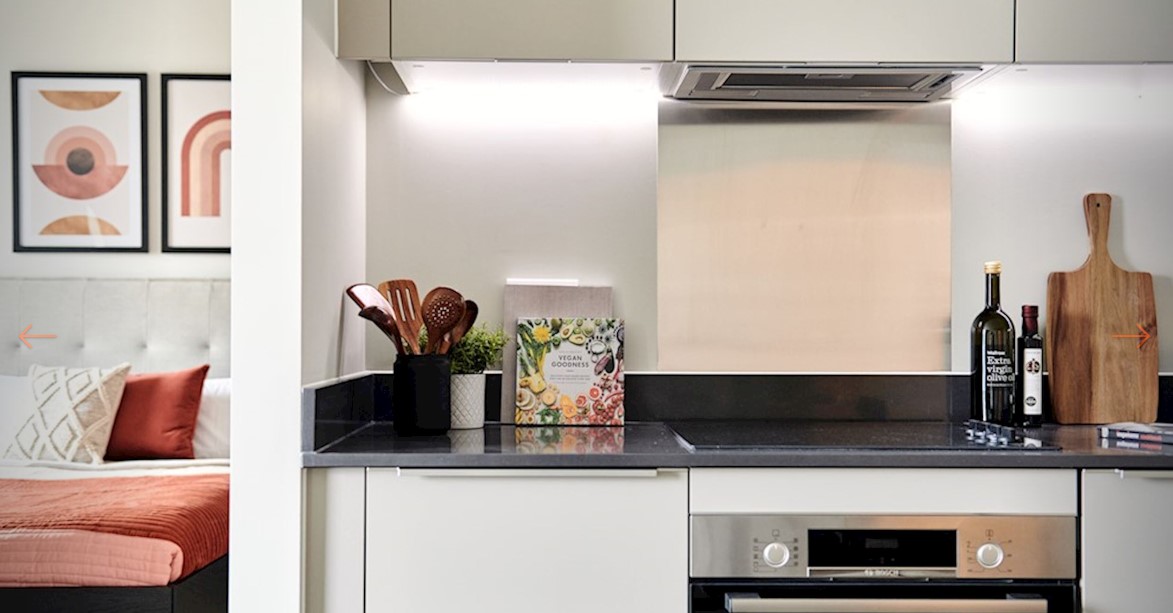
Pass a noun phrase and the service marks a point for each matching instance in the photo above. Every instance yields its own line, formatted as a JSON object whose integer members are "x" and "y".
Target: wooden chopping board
{"x": 1102, "y": 368}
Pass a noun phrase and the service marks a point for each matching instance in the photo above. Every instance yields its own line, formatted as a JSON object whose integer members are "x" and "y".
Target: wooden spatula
{"x": 374, "y": 307}
{"x": 1101, "y": 336}
{"x": 405, "y": 303}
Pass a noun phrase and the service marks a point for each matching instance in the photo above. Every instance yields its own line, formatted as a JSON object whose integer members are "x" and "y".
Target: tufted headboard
{"x": 156, "y": 325}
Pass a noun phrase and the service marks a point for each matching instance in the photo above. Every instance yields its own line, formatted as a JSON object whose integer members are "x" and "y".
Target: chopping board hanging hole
{"x": 1101, "y": 335}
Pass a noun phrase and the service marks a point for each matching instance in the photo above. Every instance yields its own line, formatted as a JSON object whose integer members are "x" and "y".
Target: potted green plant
{"x": 479, "y": 349}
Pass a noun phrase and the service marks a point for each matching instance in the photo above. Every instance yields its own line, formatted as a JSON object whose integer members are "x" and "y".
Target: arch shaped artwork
{"x": 203, "y": 146}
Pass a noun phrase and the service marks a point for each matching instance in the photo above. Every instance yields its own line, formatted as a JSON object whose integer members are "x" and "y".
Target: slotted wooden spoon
{"x": 374, "y": 307}
{"x": 405, "y": 303}
{"x": 470, "y": 317}
{"x": 443, "y": 309}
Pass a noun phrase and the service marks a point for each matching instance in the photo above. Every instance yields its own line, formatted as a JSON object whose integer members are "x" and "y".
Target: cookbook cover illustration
{"x": 569, "y": 371}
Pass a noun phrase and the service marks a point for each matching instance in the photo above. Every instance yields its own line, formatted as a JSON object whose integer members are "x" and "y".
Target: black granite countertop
{"x": 656, "y": 445}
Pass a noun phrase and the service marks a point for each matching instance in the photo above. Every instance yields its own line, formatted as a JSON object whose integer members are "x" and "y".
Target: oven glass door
{"x": 833, "y": 596}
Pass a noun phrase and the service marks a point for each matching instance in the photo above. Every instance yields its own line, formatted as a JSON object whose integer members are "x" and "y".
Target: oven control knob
{"x": 990, "y": 555}
{"x": 776, "y": 555}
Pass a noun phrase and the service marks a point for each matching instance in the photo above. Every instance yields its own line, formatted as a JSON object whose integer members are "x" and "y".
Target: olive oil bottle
{"x": 992, "y": 350}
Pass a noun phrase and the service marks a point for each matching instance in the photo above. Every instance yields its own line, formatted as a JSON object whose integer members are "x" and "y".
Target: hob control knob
{"x": 776, "y": 555}
{"x": 990, "y": 555}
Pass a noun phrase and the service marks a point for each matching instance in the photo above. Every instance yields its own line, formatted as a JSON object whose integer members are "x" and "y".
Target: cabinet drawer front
{"x": 511, "y": 541}
{"x": 1094, "y": 31}
{"x": 634, "y": 30}
{"x": 844, "y": 30}
{"x": 1126, "y": 540}
{"x": 912, "y": 491}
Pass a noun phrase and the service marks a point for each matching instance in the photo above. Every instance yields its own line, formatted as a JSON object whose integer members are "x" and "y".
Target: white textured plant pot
{"x": 468, "y": 401}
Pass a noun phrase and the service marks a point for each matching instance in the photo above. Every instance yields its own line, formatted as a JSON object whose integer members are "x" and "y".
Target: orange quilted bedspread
{"x": 190, "y": 511}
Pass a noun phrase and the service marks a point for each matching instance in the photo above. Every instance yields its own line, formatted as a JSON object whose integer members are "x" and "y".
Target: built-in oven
{"x": 883, "y": 564}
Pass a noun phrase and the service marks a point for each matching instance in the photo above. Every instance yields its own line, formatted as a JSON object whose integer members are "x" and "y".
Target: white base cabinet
{"x": 1127, "y": 541}
{"x": 520, "y": 541}
{"x": 334, "y": 539}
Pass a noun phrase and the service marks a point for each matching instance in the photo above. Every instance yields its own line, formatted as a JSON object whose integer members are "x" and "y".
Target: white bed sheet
{"x": 41, "y": 469}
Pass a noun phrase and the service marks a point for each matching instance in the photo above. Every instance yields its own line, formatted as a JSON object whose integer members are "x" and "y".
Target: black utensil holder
{"x": 421, "y": 394}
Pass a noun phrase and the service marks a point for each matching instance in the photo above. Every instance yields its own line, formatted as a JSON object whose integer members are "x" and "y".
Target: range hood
{"x": 814, "y": 83}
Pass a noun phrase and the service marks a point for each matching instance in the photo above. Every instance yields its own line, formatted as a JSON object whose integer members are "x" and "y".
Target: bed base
{"x": 204, "y": 591}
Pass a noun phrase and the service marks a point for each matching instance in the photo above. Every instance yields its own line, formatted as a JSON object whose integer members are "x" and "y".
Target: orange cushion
{"x": 157, "y": 416}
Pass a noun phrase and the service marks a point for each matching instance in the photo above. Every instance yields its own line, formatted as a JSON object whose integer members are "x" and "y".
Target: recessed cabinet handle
{"x": 490, "y": 473}
{"x": 752, "y": 604}
{"x": 1145, "y": 474}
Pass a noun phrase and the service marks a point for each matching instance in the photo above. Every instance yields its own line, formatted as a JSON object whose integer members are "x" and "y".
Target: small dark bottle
{"x": 1029, "y": 394}
{"x": 992, "y": 356}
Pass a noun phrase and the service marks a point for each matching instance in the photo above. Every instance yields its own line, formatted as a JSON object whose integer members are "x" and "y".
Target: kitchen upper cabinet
{"x": 518, "y": 541}
{"x": 1126, "y": 542}
{"x": 607, "y": 30}
{"x": 1094, "y": 31}
{"x": 937, "y": 31}
{"x": 362, "y": 29}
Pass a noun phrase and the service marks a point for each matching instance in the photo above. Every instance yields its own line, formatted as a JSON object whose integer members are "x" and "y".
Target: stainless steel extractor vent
{"x": 816, "y": 84}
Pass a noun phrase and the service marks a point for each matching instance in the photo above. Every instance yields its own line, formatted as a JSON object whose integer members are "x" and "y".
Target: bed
{"x": 129, "y": 536}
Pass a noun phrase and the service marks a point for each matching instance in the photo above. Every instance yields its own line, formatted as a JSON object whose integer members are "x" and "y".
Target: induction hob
{"x": 879, "y": 436}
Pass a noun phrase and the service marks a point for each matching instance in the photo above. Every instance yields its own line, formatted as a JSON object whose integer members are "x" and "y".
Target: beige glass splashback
{"x": 806, "y": 241}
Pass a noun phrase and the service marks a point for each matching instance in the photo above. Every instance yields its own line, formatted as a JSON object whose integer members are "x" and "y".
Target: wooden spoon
{"x": 443, "y": 308}
{"x": 374, "y": 307}
{"x": 462, "y": 327}
{"x": 405, "y": 303}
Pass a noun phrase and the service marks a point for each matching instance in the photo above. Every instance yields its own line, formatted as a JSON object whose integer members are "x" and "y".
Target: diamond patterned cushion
{"x": 71, "y": 416}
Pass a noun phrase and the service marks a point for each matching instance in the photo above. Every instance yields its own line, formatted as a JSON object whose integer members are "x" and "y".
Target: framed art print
{"x": 197, "y": 162}
{"x": 79, "y": 162}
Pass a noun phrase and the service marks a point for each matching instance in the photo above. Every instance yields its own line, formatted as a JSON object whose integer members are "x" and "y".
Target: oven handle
{"x": 746, "y": 603}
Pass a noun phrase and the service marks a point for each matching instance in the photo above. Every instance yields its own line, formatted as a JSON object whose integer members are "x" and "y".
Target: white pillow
{"x": 71, "y": 415}
{"x": 16, "y": 398}
{"x": 212, "y": 424}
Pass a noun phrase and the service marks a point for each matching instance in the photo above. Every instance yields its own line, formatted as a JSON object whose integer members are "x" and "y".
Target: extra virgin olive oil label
{"x": 569, "y": 371}
{"x": 999, "y": 368}
{"x": 1032, "y": 381}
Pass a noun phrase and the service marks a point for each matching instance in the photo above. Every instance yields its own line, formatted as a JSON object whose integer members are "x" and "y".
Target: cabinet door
{"x": 334, "y": 507}
{"x": 1094, "y": 31}
{"x": 845, "y": 30}
{"x": 362, "y": 29}
{"x": 1126, "y": 542}
{"x": 517, "y": 541}
{"x": 635, "y": 30}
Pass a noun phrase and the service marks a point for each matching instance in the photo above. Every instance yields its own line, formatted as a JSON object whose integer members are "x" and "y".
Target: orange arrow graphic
{"x": 1144, "y": 336}
{"x": 24, "y": 336}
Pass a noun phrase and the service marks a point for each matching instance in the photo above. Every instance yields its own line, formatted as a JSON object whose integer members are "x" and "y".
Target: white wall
{"x": 333, "y": 207}
{"x": 466, "y": 189}
{"x": 298, "y": 160}
{"x": 151, "y": 36}
{"x": 265, "y": 519}
{"x": 1027, "y": 146}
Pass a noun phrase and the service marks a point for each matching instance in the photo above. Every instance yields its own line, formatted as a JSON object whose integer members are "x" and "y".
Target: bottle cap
{"x": 994, "y": 268}
{"x": 1030, "y": 310}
